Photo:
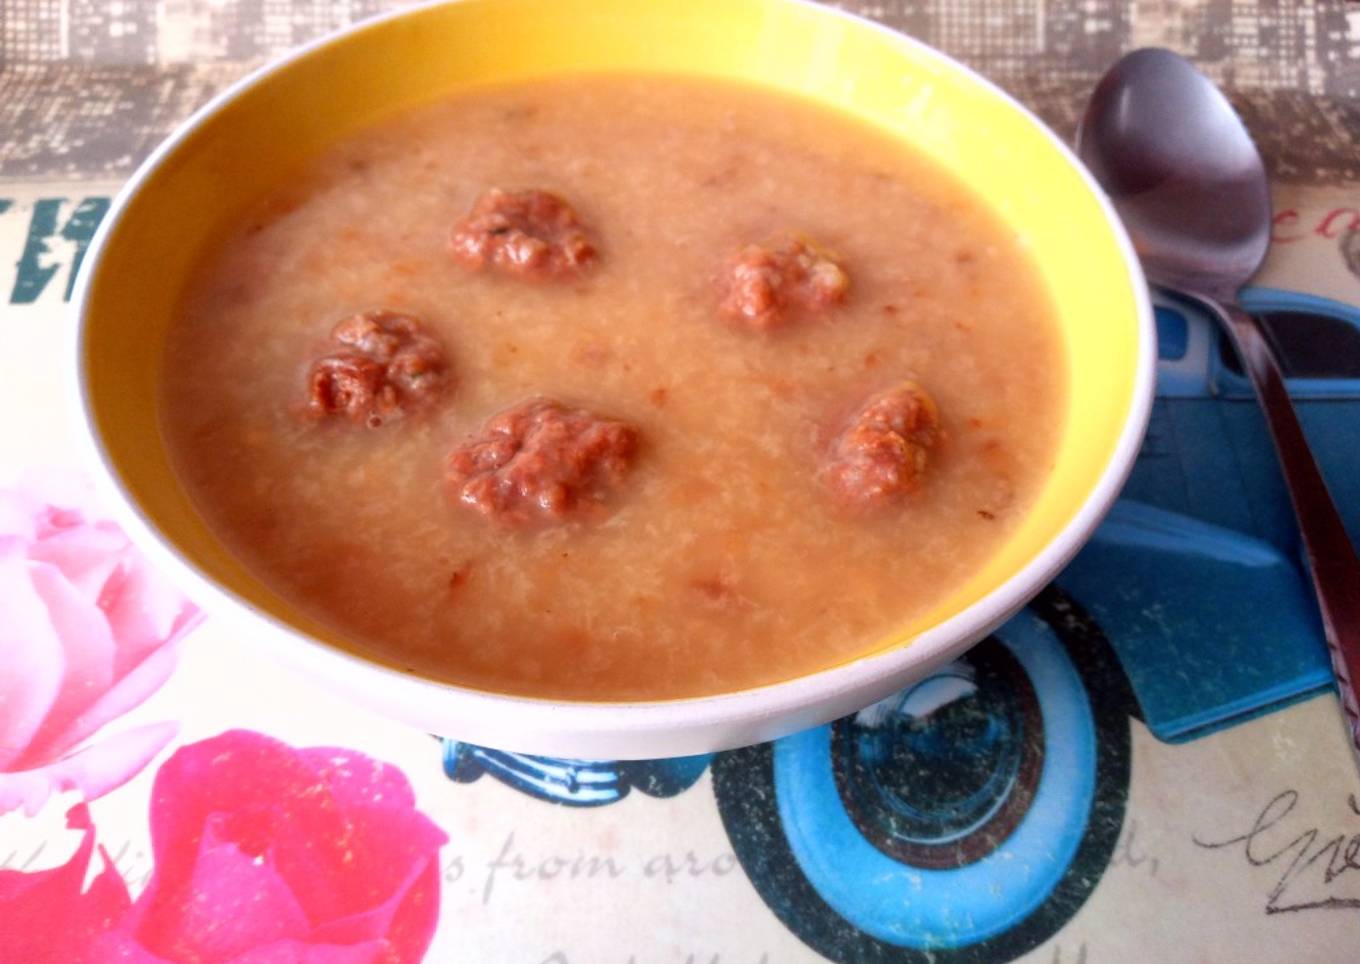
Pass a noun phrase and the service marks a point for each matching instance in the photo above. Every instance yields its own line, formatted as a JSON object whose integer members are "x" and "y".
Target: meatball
{"x": 533, "y": 234}
{"x": 881, "y": 453}
{"x": 540, "y": 462}
{"x": 384, "y": 364}
{"x": 765, "y": 285}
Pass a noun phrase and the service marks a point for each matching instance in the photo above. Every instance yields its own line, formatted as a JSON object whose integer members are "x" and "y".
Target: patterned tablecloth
{"x": 1146, "y": 764}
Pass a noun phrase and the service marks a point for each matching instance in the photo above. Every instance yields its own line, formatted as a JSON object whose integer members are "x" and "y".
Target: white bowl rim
{"x": 617, "y": 730}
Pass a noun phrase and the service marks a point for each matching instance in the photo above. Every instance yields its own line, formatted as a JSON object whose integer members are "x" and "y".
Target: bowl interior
{"x": 238, "y": 150}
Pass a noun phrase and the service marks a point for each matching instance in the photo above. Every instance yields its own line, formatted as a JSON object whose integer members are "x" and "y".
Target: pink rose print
{"x": 49, "y": 915}
{"x": 88, "y": 633}
{"x": 265, "y": 854}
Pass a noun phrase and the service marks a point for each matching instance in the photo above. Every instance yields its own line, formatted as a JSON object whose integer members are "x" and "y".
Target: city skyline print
{"x": 88, "y": 87}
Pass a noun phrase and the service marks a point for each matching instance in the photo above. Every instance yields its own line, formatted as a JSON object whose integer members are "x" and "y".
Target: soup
{"x": 615, "y": 388}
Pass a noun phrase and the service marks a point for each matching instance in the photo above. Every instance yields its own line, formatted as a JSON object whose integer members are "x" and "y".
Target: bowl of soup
{"x": 613, "y": 380}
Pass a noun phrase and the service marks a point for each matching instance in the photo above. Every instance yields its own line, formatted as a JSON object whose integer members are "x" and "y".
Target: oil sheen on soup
{"x": 615, "y": 388}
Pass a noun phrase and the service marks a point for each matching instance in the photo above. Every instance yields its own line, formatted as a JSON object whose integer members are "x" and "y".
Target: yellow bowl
{"x": 233, "y": 148}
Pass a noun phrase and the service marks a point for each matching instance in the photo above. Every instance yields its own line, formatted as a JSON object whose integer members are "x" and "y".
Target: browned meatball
{"x": 765, "y": 285}
{"x": 541, "y": 461}
{"x": 881, "y": 453}
{"x": 384, "y": 364}
{"x": 533, "y": 234}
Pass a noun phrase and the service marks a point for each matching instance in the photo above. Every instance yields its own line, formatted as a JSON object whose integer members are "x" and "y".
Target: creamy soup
{"x": 626, "y": 387}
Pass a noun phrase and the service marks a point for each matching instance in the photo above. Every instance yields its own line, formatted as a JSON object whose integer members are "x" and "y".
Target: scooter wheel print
{"x": 965, "y": 818}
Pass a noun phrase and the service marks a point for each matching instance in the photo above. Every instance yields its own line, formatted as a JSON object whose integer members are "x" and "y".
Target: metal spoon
{"x": 1190, "y": 186}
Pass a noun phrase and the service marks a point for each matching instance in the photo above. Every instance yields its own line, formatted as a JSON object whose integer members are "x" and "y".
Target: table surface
{"x": 1196, "y": 802}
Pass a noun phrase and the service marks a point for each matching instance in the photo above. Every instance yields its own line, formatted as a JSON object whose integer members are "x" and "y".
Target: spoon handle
{"x": 1332, "y": 559}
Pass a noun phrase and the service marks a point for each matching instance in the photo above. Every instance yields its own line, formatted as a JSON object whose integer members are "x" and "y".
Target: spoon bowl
{"x": 1182, "y": 171}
